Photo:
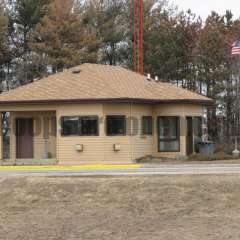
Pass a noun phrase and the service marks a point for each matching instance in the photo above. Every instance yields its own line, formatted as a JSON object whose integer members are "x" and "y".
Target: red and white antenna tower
{"x": 138, "y": 37}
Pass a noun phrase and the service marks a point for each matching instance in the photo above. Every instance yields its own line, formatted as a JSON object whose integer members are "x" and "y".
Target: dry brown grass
{"x": 147, "y": 208}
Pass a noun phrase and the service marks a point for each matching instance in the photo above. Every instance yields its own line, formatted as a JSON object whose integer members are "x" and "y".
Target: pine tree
{"x": 109, "y": 20}
{"x": 64, "y": 38}
{"x": 4, "y": 49}
{"x": 212, "y": 51}
{"x": 24, "y": 15}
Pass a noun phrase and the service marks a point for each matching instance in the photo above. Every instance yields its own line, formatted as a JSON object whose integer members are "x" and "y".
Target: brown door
{"x": 24, "y": 138}
{"x": 189, "y": 141}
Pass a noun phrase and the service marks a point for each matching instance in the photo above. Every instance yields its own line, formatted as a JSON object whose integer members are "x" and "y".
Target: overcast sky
{"x": 204, "y": 7}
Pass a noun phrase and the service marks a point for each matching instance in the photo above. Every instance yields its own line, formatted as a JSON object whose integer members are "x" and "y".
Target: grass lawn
{"x": 188, "y": 207}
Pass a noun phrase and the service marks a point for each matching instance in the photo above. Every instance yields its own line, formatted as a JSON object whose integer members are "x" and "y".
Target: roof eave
{"x": 207, "y": 102}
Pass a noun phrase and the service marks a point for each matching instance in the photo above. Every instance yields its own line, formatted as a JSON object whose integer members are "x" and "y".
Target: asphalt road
{"x": 145, "y": 170}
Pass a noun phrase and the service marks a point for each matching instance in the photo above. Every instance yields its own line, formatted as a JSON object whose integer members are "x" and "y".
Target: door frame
{"x": 17, "y": 136}
{"x": 190, "y": 149}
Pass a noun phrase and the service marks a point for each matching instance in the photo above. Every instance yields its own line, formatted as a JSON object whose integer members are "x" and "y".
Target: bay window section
{"x": 168, "y": 134}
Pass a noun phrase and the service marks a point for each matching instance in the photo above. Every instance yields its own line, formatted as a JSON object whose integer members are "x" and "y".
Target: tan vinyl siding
{"x": 99, "y": 149}
{"x": 142, "y": 145}
{"x": 92, "y": 145}
{"x": 28, "y": 108}
{"x": 124, "y": 155}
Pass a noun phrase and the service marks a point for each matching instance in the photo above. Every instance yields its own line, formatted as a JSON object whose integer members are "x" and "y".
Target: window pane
{"x": 198, "y": 126}
{"x": 168, "y": 127}
{"x": 116, "y": 125}
{"x": 147, "y": 125}
{"x": 70, "y": 126}
{"x": 89, "y": 126}
{"x": 168, "y": 133}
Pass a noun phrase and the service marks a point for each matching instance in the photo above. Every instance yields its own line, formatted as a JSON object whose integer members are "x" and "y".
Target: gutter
{"x": 206, "y": 102}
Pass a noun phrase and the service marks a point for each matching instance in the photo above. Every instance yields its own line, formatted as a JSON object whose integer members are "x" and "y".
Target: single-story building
{"x": 94, "y": 114}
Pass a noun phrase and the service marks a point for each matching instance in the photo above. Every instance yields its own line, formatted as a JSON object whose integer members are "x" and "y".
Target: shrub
{"x": 145, "y": 159}
{"x": 213, "y": 157}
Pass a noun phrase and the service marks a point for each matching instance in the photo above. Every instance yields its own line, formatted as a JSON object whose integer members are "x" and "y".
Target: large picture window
{"x": 147, "y": 125}
{"x": 168, "y": 134}
{"x": 80, "y": 126}
{"x": 116, "y": 125}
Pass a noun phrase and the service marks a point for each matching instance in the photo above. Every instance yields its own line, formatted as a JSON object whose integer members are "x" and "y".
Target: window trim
{"x": 79, "y": 126}
{"x": 169, "y": 139}
{"x": 125, "y": 126}
{"x": 144, "y": 132}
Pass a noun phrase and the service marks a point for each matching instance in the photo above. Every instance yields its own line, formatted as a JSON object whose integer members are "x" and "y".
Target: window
{"x": 89, "y": 126}
{"x": 147, "y": 125}
{"x": 197, "y": 123}
{"x": 80, "y": 126}
{"x": 116, "y": 125}
{"x": 168, "y": 134}
{"x": 70, "y": 126}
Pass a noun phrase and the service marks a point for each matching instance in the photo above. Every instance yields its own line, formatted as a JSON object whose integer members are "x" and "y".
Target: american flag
{"x": 236, "y": 48}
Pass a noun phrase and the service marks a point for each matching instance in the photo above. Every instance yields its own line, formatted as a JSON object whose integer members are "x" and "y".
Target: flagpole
{"x": 235, "y": 51}
{"x": 238, "y": 98}
{"x": 236, "y": 117}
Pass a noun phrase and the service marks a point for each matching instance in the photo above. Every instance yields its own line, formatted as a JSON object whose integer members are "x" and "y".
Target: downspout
{"x": 131, "y": 132}
{"x": 58, "y": 135}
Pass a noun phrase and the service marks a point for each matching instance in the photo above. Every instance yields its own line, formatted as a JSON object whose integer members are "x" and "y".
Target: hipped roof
{"x": 100, "y": 83}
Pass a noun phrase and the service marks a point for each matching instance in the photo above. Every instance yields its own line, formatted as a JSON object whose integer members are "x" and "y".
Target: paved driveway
{"x": 143, "y": 170}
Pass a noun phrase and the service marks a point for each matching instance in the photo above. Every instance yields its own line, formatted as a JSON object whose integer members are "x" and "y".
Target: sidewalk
{"x": 120, "y": 170}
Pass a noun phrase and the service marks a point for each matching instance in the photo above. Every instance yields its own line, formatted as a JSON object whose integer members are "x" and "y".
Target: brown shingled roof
{"x": 99, "y": 83}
